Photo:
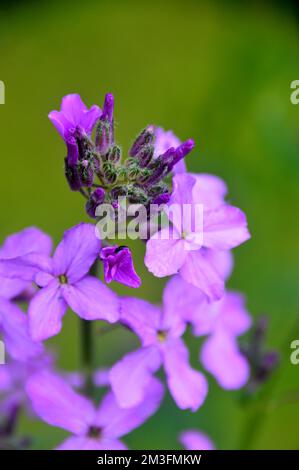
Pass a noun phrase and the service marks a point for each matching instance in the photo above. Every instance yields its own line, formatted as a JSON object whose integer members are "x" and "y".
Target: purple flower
{"x": 195, "y": 440}
{"x": 180, "y": 247}
{"x": 72, "y": 121}
{"x": 164, "y": 141}
{"x": 221, "y": 322}
{"x": 93, "y": 428}
{"x": 160, "y": 332}
{"x": 13, "y": 322}
{"x": 14, "y": 376}
{"x": 63, "y": 282}
{"x": 118, "y": 266}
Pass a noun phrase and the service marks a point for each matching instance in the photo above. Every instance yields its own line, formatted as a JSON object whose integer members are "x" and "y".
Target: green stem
{"x": 87, "y": 356}
{"x": 259, "y": 414}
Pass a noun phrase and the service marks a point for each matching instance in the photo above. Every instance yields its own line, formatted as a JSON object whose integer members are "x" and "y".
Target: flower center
{"x": 63, "y": 279}
{"x": 94, "y": 432}
{"x": 162, "y": 335}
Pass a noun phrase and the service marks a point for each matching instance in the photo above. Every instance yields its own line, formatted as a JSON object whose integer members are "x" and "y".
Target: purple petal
{"x": 225, "y": 228}
{"x": 76, "y": 252}
{"x": 46, "y": 310}
{"x": 182, "y": 202}
{"x": 29, "y": 240}
{"x": 56, "y": 403}
{"x": 221, "y": 357}
{"x": 92, "y": 300}
{"x": 198, "y": 270}
{"x": 16, "y": 335}
{"x": 101, "y": 378}
{"x": 196, "y": 440}
{"x": 130, "y": 377}
{"x": 209, "y": 190}
{"x": 187, "y": 386}
{"x": 164, "y": 140}
{"x": 141, "y": 317}
{"x": 183, "y": 299}
{"x": 87, "y": 443}
{"x": 164, "y": 257}
{"x": 233, "y": 316}
{"x": 10, "y": 288}
{"x": 222, "y": 261}
{"x": 25, "y": 267}
{"x": 117, "y": 422}
{"x": 118, "y": 266}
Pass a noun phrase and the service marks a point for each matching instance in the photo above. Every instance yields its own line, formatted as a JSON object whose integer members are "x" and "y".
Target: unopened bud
{"x": 72, "y": 175}
{"x": 145, "y": 155}
{"x": 147, "y": 136}
{"x": 86, "y": 173}
{"x": 114, "y": 155}
{"x": 95, "y": 199}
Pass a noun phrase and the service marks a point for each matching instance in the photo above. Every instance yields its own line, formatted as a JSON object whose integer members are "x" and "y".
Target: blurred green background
{"x": 216, "y": 71}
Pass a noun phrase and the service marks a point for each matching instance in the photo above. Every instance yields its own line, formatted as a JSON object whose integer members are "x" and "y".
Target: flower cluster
{"x": 199, "y": 263}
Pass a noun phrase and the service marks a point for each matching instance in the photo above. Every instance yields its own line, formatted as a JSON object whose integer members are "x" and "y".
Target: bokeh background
{"x": 217, "y": 71}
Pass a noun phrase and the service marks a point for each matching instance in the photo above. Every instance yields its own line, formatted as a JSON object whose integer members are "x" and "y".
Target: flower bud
{"x": 95, "y": 199}
{"x": 145, "y": 155}
{"x": 72, "y": 175}
{"x": 147, "y": 136}
{"x": 181, "y": 152}
{"x": 114, "y": 155}
{"x": 109, "y": 172}
{"x": 86, "y": 173}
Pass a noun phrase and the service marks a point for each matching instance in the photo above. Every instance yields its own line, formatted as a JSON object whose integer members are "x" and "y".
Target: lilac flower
{"x": 164, "y": 141}
{"x": 63, "y": 282}
{"x": 13, "y": 322}
{"x": 14, "y": 376}
{"x": 160, "y": 332}
{"x": 221, "y": 322}
{"x": 93, "y": 428}
{"x": 72, "y": 120}
{"x": 180, "y": 248}
{"x": 118, "y": 266}
{"x": 195, "y": 440}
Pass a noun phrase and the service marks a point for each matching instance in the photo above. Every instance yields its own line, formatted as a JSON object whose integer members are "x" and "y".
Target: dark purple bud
{"x": 145, "y": 155}
{"x": 118, "y": 191}
{"x": 108, "y": 108}
{"x": 86, "y": 173}
{"x": 103, "y": 136}
{"x": 72, "y": 175}
{"x": 181, "y": 152}
{"x": 109, "y": 173}
{"x": 72, "y": 151}
{"x": 114, "y": 155}
{"x": 161, "y": 199}
{"x": 95, "y": 199}
{"x": 158, "y": 171}
{"x": 147, "y": 136}
{"x": 270, "y": 360}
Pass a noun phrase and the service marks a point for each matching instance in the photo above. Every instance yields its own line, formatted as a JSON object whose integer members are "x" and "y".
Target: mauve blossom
{"x": 74, "y": 117}
{"x": 221, "y": 322}
{"x": 195, "y": 440}
{"x": 64, "y": 281}
{"x": 165, "y": 140}
{"x": 180, "y": 247}
{"x": 118, "y": 266}
{"x": 14, "y": 376}
{"x": 13, "y": 322}
{"x": 55, "y": 402}
{"x": 160, "y": 331}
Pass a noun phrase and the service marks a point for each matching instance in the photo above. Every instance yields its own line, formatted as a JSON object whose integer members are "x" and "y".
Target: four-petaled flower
{"x": 93, "y": 428}
{"x": 64, "y": 281}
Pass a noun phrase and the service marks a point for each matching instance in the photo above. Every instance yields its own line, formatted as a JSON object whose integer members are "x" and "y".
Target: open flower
{"x": 195, "y": 440}
{"x": 160, "y": 331}
{"x": 118, "y": 266}
{"x": 93, "y": 428}
{"x": 180, "y": 247}
{"x": 64, "y": 281}
{"x": 13, "y": 322}
{"x": 221, "y": 322}
{"x": 72, "y": 120}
